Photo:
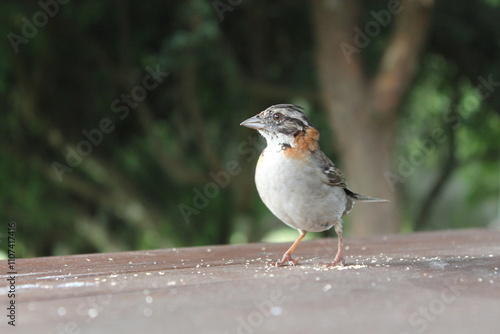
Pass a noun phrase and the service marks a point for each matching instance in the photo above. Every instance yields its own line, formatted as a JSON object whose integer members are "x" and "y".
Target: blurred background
{"x": 119, "y": 120}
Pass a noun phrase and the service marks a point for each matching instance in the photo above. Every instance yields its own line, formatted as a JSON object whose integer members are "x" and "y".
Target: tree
{"x": 173, "y": 168}
{"x": 363, "y": 109}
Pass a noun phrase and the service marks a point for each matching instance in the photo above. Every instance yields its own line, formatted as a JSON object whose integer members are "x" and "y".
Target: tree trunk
{"x": 363, "y": 111}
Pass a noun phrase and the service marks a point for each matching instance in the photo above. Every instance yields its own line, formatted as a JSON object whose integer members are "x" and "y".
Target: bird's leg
{"x": 287, "y": 257}
{"x": 339, "y": 258}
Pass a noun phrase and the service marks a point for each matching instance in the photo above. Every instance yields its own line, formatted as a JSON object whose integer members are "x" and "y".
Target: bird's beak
{"x": 254, "y": 123}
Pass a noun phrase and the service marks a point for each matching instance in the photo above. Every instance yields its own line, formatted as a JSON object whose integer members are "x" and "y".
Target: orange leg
{"x": 287, "y": 257}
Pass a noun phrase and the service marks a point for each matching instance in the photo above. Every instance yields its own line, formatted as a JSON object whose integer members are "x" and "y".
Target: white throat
{"x": 275, "y": 142}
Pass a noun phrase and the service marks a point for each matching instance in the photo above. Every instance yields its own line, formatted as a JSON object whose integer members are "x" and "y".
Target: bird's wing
{"x": 327, "y": 170}
{"x": 331, "y": 175}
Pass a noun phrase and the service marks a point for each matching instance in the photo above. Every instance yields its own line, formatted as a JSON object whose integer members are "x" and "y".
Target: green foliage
{"x": 126, "y": 194}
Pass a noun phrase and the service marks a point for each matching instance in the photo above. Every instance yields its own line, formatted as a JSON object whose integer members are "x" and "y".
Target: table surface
{"x": 433, "y": 282}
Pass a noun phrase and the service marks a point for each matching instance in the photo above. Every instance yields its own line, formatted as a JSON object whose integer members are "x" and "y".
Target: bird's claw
{"x": 338, "y": 261}
{"x": 286, "y": 261}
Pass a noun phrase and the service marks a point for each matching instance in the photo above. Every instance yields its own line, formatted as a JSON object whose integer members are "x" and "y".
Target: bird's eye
{"x": 277, "y": 116}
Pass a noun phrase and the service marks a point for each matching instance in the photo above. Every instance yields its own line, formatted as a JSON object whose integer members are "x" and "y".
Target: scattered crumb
{"x": 276, "y": 310}
{"x": 351, "y": 266}
{"x": 147, "y": 312}
{"x": 93, "y": 312}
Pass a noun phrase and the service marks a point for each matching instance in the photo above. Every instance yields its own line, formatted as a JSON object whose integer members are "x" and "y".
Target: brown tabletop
{"x": 439, "y": 282}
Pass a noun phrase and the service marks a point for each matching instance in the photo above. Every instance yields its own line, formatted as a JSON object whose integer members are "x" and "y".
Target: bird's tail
{"x": 362, "y": 198}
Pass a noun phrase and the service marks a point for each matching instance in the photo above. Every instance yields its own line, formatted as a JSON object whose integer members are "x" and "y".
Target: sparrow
{"x": 297, "y": 182}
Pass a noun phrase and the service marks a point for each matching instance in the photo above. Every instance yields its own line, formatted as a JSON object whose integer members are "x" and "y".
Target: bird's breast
{"x": 288, "y": 183}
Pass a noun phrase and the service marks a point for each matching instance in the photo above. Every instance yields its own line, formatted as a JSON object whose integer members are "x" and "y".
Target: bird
{"x": 297, "y": 182}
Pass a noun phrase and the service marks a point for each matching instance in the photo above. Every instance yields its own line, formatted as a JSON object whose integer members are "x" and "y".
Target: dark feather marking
{"x": 284, "y": 146}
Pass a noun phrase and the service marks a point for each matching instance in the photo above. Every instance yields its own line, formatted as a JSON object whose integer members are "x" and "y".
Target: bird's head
{"x": 280, "y": 124}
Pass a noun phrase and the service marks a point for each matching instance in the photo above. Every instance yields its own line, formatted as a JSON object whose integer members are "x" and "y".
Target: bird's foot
{"x": 286, "y": 261}
{"x": 338, "y": 261}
